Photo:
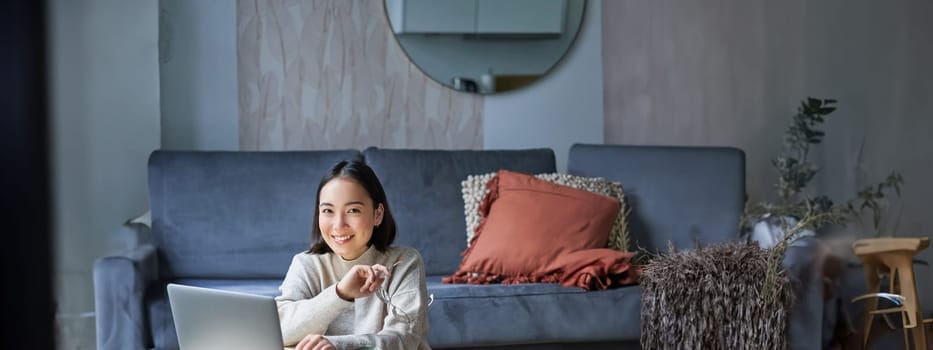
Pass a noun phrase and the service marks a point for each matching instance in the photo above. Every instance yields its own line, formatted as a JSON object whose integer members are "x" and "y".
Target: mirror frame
{"x": 523, "y": 84}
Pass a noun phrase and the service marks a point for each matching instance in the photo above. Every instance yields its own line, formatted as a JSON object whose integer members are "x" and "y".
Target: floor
{"x": 75, "y": 332}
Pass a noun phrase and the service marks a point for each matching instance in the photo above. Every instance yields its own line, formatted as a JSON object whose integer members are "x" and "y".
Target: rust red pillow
{"x": 527, "y": 223}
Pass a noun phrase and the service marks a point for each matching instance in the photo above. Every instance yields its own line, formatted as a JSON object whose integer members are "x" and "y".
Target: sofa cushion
{"x": 423, "y": 187}
{"x": 527, "y": 224}
{"x": 685, "y": 195}
{"x": 471, "y": 315}
{"x": 474, "y": 190}
{"x": 234, "y": 214}
{"x": 474, "y": 315}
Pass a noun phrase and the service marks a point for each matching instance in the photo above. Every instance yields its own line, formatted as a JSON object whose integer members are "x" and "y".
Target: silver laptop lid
{"x": 217, "y": 319}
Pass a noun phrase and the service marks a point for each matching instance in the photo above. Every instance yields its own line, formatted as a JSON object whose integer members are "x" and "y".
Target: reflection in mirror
{"x": 485, "y": 46}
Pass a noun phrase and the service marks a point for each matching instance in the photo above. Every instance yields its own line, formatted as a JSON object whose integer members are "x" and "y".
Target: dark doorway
{"x": 25, "y": 251}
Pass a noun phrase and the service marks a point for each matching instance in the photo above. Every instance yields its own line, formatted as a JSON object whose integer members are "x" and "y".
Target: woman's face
{"x": 346, "y": 217}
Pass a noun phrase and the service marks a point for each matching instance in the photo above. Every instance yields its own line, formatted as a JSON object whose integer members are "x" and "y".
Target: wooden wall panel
{"x": 731, "y": 72}
{"x": 328, "y": 74}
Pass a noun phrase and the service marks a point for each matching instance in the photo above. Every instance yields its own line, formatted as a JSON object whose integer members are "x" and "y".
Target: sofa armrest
{"x": 132, "y": 235}
{"x": 803, "y": 263}
{"x": 120, "y": 284}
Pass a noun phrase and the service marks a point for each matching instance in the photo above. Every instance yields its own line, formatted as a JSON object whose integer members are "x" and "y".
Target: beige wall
{"x": 732, "y": 73}
{"x": 326, "y": 74}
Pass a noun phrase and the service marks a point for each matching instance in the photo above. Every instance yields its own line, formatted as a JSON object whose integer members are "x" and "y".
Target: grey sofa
{"x": 232, "y": 220}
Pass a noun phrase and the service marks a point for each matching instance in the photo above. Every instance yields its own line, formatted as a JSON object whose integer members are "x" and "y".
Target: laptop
{"x": 208, "y": 318}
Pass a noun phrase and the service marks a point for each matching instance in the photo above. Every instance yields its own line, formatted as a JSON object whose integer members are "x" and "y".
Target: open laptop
{"x": 208, "y": 318}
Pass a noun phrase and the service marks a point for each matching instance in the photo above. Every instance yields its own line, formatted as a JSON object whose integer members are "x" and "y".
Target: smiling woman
{"x": 326, "y": 300}
{"x": 485, "y": 46}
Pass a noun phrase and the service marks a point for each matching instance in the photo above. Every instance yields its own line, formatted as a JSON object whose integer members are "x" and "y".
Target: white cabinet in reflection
{"x": 520, "y": 16}
{"x": 477, "y": 16}
{"x": 432, "y": 16}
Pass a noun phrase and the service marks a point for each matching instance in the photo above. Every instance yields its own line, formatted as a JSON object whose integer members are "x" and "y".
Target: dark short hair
{"x": 359, "y": 172}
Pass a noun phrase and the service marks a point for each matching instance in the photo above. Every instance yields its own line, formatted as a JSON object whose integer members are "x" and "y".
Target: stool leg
{"x": 919, "y": 334}
{"x": 913, "y": 319}
{"x": 873, "y": 282}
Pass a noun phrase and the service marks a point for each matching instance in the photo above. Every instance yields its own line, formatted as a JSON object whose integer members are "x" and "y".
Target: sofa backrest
{"x": 425, "y": 194}
{"x": 219, "y": 214}
{"x": 685, "y": 195}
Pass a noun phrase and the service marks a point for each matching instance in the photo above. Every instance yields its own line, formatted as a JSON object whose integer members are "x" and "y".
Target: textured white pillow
{"x": 474, "y": 189}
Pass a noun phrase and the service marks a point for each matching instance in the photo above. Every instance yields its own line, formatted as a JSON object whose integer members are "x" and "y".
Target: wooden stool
{"x": 894, "y": 257}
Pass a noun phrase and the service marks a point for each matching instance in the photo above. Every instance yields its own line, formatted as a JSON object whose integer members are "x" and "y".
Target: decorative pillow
{"x": 527, "y": 223}
{"x": 474, "y": 189}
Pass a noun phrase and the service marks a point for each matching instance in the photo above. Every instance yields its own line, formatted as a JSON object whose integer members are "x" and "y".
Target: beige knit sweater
{"x": 309, "y": 303}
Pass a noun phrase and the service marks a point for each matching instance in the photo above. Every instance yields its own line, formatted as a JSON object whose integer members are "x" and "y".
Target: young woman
{"x": 352, "y": 289}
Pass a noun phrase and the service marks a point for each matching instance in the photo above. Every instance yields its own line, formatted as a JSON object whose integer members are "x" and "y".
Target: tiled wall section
{"x": 328, "y": 74}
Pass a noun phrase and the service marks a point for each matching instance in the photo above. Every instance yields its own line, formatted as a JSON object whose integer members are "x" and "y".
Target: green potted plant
{"x": 798, "y": 213}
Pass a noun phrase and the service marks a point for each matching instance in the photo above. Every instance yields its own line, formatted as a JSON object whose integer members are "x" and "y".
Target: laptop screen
{"x": 207, "y": 318}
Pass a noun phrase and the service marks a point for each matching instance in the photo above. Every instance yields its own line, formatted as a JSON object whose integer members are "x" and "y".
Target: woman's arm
{"x": 304, "y": 308}
{"x": 406, "y": 325}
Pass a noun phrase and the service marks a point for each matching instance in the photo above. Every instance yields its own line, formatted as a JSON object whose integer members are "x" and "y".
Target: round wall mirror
{"x": 485, "y": 46}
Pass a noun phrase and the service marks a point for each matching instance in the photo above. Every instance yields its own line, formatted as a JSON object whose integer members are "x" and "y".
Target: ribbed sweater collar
{"x": 369, "y": 257}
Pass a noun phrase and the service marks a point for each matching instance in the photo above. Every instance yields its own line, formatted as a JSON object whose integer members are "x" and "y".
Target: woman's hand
{"x": 362, "y": 281}
{"x": 315, "y": 342}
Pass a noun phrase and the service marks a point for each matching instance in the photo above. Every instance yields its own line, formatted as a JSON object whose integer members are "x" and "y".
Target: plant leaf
{"x": 813, "y": 102}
